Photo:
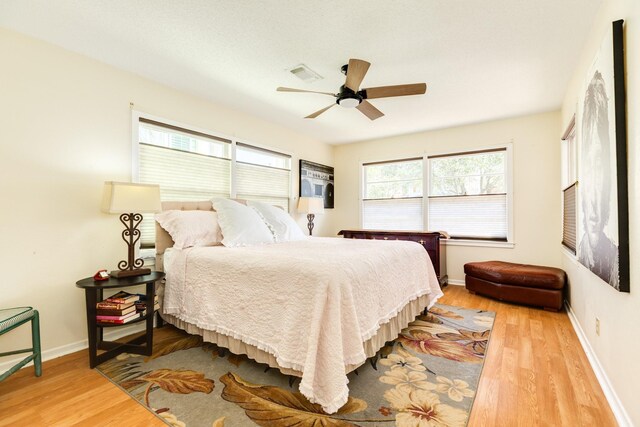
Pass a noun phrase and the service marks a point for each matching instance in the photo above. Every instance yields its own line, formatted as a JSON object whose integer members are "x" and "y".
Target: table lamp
{"x": 311, "y": 206}
{"x": 130, "y": 200}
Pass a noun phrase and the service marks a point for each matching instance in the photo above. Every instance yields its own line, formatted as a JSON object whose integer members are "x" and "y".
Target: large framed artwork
{"x": 316, "y": 180}
{"x": 603, "y": 223}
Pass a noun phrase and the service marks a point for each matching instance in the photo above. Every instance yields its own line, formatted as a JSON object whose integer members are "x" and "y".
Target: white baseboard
{"x": 63, "y": 350}
{"x": 614, "y": 402}
{"x": 455, "y": 282}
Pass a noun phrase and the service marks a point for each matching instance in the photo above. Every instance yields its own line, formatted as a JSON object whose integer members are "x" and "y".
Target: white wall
{"x": 65, "y": 128}
{"x": 618, "y": 345}
{"x": 535, "y": 177}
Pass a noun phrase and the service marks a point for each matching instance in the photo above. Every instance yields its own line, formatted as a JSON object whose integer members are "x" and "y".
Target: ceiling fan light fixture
{"x": 349, "y": 102}
{"x": 351, "y": 95}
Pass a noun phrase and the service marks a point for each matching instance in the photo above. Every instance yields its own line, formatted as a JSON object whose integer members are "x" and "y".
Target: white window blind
{"x": 187, "y": 165}
{"x": 393, "y": 214}
{"x": 468, "y": 195}
{"x": 263, "y": 175}
{"x": 392, "y": 195}
{"x": 569, "y": 223}
{"x": 479, "y": 217}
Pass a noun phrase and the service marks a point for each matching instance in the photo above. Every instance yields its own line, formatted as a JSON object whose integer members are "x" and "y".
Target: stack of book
{"x": 141, "y": 304}
{"x": 118, "y": 309}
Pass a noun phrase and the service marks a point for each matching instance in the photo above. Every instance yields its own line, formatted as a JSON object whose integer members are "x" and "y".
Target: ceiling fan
{"x": 351, "y": 95}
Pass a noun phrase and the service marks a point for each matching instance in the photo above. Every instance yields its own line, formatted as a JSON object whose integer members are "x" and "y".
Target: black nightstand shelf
{"x": 94, "y": 293}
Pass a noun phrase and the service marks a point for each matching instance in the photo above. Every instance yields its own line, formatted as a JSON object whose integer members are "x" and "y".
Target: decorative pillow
{"x": 241, "y": 225}
{"x": 191, "y": 228}
{"x": 282, "y": 225}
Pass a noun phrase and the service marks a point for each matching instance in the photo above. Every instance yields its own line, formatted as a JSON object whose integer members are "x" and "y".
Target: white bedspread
{"x": 310, "y": 303}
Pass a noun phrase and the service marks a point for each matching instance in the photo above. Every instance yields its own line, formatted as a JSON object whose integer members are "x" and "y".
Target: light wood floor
{"x": 535, "y": 374}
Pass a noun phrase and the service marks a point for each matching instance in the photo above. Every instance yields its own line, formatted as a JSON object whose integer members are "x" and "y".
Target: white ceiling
{"x": 482, "y": 60}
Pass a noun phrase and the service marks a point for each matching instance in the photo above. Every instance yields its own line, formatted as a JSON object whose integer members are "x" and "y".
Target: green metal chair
{"x": 11, "y": 318}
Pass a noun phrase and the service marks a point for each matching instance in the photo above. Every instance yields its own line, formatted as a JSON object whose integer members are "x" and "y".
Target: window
{"x": 191, "y": 165}
{"x": 392, "y": 198}
{"x": 188, "y": 166}
{"x": 569, "y": 185}
{"x": 263, "y": 175}
{"x": 468, "y": 195}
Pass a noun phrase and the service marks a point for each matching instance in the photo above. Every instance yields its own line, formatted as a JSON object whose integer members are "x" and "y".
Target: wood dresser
{"x": 431, "y": 241}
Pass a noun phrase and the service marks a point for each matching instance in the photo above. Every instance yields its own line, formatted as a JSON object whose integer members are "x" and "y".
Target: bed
{"x": 315, "y": 308}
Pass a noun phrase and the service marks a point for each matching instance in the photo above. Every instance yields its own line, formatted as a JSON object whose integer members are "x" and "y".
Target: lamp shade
{"x": 311, "y": 205}
{"x": 128, "y": 197}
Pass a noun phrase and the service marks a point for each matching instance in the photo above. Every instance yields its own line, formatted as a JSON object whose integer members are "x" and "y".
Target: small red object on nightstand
{"x": 101, "y": 275}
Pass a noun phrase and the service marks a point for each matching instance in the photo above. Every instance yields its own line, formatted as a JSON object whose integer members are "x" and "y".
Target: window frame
{"x": 362, "y": 182}
{"x": 569, "y": 178}
{"x": 260, "y": 147}
{"x": 507, "y": 147}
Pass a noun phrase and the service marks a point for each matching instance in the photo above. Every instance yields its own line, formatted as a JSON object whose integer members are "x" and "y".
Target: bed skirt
{"x": 388, "y": 332}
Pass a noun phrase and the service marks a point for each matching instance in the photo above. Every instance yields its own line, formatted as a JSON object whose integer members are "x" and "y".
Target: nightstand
{"x": 93, "y": 293}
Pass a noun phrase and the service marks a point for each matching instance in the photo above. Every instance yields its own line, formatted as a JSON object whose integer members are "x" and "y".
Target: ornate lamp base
{"x": 310, "y": 218}
{"x": 131, "y": 235}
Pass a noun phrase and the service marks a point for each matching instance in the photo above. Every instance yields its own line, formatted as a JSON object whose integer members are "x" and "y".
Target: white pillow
{"x": 282, "y": 225}
{"x": 191, "y": 228}
{"x": 241, "y": 225}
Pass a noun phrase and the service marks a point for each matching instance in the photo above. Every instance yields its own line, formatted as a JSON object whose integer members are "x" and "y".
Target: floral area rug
{"x": 427, "y": 377}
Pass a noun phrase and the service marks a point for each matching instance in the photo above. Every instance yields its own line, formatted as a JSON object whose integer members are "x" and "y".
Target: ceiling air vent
{"x": 305, "y": 73}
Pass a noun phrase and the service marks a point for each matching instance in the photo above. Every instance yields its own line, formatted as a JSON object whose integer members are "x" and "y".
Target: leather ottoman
{"x": 519, "y": 283}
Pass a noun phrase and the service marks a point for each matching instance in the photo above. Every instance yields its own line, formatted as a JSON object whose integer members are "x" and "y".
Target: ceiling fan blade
{"x": 355, "y": 73}
{"x": 317, "y": 113}
{"x": 369, "y": 110}
{"x": 399, "y": 90}
{"x": 289, "y": 89}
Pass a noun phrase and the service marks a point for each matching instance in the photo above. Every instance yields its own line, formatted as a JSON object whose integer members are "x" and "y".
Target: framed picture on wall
{"x": 603, "y": 221}
{"x": 316, "y": 180}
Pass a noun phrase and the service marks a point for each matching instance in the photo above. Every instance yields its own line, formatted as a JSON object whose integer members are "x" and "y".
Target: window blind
{"x": 470, "y": 217}
{"x": 467, "y": 195}
{"x": 263, "y": 175}
{"x": 187, "y": 166}
{"x": 392, "y": 214}
{"x": 569, "y": 222}
{"x": 269, "y": 185}
{"x": 392, "y": 196}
